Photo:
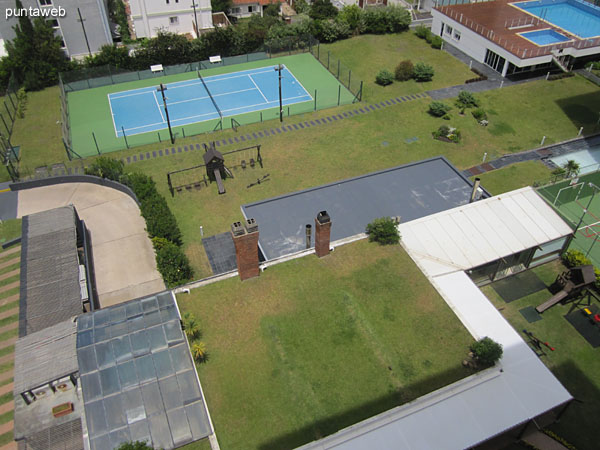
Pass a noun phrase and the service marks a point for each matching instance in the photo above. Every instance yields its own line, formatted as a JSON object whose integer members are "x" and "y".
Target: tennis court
{"x": 141, "y": 110}
{"x": 577, "y": 200}
{"x": 243, "y": 93}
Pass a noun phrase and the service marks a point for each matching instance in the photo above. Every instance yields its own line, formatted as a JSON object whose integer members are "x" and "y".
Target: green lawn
{"x": 367, "y": 54}
{"x": 514, "y": 177}
{"x": 574, "y": 362}
{"x": 314, "y": 345}
{"x": 9, "y": 229}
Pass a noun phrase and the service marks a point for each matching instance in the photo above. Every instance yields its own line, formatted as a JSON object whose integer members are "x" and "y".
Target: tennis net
{"x": 210, "y": 95}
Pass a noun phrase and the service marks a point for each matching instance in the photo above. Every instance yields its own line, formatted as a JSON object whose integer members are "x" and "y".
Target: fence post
{"x": 159, "y": 139}
{"x": 96, "y": 142}
{"x": 110, "y": 75}
{"x": 124, "y": 136}
{"x": 315, "y": 99}
{"x": 183, "y": 131}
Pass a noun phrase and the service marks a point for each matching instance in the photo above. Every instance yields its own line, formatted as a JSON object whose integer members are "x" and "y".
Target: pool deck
{"x": 494, "y": 20}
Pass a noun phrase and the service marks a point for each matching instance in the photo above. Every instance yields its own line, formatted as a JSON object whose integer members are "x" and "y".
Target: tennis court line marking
{"x": 294, "y": 77}
{"x": 112, "y": 116}
{"x": 204, "y": 98}
{"x": 158, "y": 106}
{"x": 261, "y": 92}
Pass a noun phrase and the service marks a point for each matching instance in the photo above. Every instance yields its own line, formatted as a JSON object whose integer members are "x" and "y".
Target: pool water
{"x": 575, "y": 16}
{"x": 544, "y": 37}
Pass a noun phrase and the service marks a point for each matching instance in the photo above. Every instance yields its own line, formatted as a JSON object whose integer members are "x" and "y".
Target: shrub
{"x": 438, "y": 109}
{"x": 422, "y": 31}
{"x": 199, "y": 351}
{"x": 391, "y": 19}
{"x": 560, "y": 76}
{"x": 479, "y": 114}
{"x": 447, "y": 134}
{"x": 558, "y": 173}
{"x": 384, "y": 78}
{"x": 404, "y": 70}
{"x": 444, "y": 130}
{"x": 423, "y": 72}
{"x": 142, "y": 185}
{"x": 574, "y": 258}
{"x": 173, "y": 265}
{"x": 191, "y": 326}
{"x": 384, "y": 231}
{"x": 487, "y": 351}
{"x": 436, "y": 42}
{"x": 466, "y": 100}
{"x": 105, "y": 167}
{"x": 160, "y": 221}
{"x": 22, "y": 102}
{"x": 572, "y": 168}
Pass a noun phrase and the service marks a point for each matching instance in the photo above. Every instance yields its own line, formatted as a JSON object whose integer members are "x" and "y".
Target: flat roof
{"x": 411, "y": 191}
{"x": 50, "y": 292}
{"x": 519, "y": 388}
{"x": 137, "y": 376}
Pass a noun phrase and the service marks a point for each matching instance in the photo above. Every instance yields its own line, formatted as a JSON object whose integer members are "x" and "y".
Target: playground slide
{"x": 219, "y": 181}
{"x": 552, "y": 301}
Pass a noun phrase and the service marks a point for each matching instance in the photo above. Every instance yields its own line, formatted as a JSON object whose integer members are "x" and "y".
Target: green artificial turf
{"x": 513, "y": 177}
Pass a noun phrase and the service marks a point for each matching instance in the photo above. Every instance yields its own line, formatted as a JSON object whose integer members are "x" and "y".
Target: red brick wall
{"x": 246, "y": 253}
{"x": 322, "y": 238}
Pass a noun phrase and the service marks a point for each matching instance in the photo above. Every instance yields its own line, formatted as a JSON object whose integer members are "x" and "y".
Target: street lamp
{"x": 278, "y": 69}
{"x": 162, "y": 88}
{"x": 195, "y": 19}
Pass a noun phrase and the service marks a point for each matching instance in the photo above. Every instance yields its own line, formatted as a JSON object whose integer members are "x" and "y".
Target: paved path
{"x": 542, "y": 153}
{"x": 124, "y": 261}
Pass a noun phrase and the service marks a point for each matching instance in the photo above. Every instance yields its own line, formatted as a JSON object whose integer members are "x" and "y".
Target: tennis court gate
{"x": 194, "y": 177}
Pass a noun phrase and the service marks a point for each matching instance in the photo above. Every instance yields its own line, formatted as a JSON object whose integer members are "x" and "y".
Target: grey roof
{"x": 66, "y": 436}
{"x": 411, "y": 191}
{"x": 45, "y": 356}
{"x": 50, "y": 291}
{"x": 137, "y": 376}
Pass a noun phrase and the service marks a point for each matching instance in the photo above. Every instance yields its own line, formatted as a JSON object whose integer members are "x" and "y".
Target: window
{"x": 249, "y": 9}
{"x": 494, "y": 60}
{"x": 456, "y": 35}
{"x": 45, "y": 2}
{"x": 174, "y": 20}
{"x": 235, "y": 10}
{"x": 448, "y": 29}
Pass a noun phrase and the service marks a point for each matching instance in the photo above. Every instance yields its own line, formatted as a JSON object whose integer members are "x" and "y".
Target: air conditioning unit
{"x": 62, "y": 385}
{"x": 42, "y": 392}
{"x": 28, "y": 396}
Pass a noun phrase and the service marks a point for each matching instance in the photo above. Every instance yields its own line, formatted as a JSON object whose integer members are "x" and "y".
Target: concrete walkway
{"x": 124, "y": 259}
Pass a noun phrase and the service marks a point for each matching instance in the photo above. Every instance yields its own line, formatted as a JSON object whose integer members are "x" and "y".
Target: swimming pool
{"x": 544, "y": 37}
{"x": 575, "y": 16}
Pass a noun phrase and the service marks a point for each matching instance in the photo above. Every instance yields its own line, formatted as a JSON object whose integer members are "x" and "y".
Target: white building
{"x": 246, "y": 8}
{"x": 511, "y": 40}
{"x": 148, "y": 17}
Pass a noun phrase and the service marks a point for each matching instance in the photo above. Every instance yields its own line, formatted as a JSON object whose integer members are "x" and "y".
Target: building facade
{"x": 83, "y": 28}
{"x": 247, "y": 8}
{"x": 149, "y": 17}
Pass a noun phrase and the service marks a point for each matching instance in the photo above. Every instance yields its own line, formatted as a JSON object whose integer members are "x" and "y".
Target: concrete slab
{"x": 124, "y": 259}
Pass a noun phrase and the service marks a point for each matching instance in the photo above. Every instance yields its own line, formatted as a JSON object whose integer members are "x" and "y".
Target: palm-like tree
{"x": 199, "y": 351}
{"x": 572, "y": 168}
{"x": 191, "y": 326}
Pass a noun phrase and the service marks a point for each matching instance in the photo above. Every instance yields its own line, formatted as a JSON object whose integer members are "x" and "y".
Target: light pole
{"x": 278, "y": 69}
{"x": 162, "y": 88}
{"x": 81, "y": 19}
{"x": 195, "y": 19}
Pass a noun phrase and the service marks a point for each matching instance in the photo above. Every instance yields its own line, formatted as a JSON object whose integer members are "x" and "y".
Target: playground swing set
{"x": 214, "y": 168}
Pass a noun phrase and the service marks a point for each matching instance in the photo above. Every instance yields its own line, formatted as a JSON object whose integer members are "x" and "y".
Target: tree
{"x": 384, "y": 231}
{"x": 221, "y": 5}
{"x": 487, "y": 351}
{"x": 190, "y": 325}
{"x": 572, "y": 168}
{"x": 272, "y": 10}
{"x": 405, "y": 70}
{"x": 35, "y": 55}
{"x": 199, "y": 351}
{"x": 322, "y": 9}
{"x": 423, "y": 72}
{"x": 467, "y": 100}
{"x": 352, "y": 15}
{"x": 111, "y": 54}
{"x": 300, "y": 6}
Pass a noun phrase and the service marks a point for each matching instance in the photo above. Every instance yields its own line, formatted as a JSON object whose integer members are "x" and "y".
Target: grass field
{"x": 90, "y": 111}
{"x": 385, "y": 52}
{"x": 514, "y": 177}
{"x": 574, "y": 362}
{"x": 314, "y": 345}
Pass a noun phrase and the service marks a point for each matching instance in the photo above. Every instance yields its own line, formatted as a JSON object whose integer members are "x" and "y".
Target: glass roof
{"x": 137, "y": 376}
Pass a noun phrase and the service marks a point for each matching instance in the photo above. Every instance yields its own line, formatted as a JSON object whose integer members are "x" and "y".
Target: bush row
{"x": 405, "y": 71}
{"x": 161, "y": 224}
{"x": 432, "y": 39}
{"x": 560, "y": 76}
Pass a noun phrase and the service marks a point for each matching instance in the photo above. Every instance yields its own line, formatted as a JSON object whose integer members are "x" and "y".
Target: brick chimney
{"x": 245, "y": 240}
{"x": 322, "y": 234}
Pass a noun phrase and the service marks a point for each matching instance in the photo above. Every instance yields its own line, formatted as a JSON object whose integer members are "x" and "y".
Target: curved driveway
{"x": 124, "y": 261}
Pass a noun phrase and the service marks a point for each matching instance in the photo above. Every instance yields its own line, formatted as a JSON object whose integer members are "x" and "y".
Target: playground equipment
{"x": 537, "y": 343}
{"x": 259, "y": 181}
{"x": 571, "y": 282}
{"x": 215, "y": 167}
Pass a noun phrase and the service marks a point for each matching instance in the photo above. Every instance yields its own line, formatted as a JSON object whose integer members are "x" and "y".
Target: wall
{"x": 151, "y": 16}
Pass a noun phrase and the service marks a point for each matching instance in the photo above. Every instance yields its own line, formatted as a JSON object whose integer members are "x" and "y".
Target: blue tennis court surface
{"x": 141, "y": 110}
